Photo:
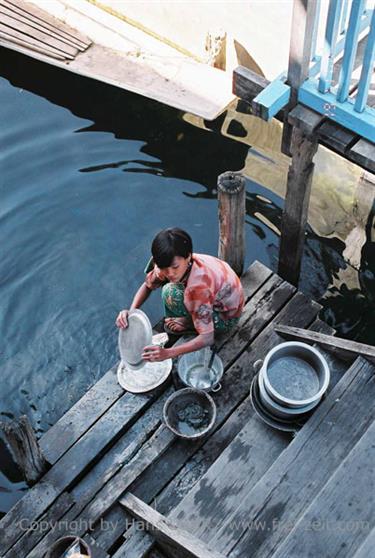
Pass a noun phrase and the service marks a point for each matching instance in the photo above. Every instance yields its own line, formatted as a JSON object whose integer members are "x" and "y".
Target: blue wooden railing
{"x": 346, "y": 100}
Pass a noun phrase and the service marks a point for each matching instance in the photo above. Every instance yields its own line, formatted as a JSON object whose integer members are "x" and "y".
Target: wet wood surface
{"x": 111, "y": 444}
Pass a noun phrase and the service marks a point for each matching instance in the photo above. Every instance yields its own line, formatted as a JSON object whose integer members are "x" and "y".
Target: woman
{"x": 200, "y": 294}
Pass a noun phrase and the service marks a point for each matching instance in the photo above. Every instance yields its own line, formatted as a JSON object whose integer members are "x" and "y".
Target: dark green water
{"x": 88, "y": 175}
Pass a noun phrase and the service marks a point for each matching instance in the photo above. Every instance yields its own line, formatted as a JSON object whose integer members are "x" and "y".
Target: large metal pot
{"x": 295, "y": 375}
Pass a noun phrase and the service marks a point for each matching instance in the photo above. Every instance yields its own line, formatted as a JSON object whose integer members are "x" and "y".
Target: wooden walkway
{"x": 246, "y": 490}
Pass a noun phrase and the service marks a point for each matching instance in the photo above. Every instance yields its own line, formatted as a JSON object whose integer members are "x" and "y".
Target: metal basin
{"x": 295, "y": 374}
{"x": 193, "y": 373}
{"x": 189, "y": 413}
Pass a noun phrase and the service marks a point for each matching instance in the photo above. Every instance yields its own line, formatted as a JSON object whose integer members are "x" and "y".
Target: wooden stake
{"x": 296, "y": 207}
{"x": 22, "y": 442}
{"x": 231, "y": 198}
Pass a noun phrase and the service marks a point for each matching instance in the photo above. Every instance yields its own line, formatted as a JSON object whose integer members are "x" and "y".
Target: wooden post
{"x": 301, "y": 42}
{"x": 231, "y": 198}
{"x": 296, "y": 206}
{"x": 24, "y": 447}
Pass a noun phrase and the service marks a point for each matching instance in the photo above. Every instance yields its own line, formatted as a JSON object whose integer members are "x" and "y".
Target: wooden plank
{"x": 217, "y": 494}
{"x": 23, "y": 17}
{"x": 236, "y": 385}
{"x": 182, "y": 542}
{"x": 31, "y": 536}
{"x": 119, "y": 417}
{"x": 247, "y": 84}
{"x": 79, "y": 418}
{"x": 363, "y": 153}
{"x": 11, "y": 34}
{"x": 367, "y": 547}
{"x": 8, "y": 41}
{"x": 294, "y": 218}
{"x": 43, "y": 18}
{"x": 367, "y": 69}
{"x": 271, "y": 100}
{"x": 30, "y": 32}
{"x": 109, "y": 493}
{"x": 96, "y": 551}
{"x": 345, "y": 345}
{"x": 254, "y": 278}
{"x": 180, "y": 485}
{"x": 340, "y": 139}
{"x": 342, "y": 514}
{"x": 305, "y": 119}
{"x": 329, "y": 49}
{"x": 293, "y": 481}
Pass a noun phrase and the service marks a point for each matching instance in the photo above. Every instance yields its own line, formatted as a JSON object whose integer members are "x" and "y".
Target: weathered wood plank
{"x": 8, "y": 41}
{"x": 33, "y": 12}
{"x": 305, "y": 119}
{"x": 339, "y": 138}
{"x": 247, "y": 84}
{"x": 363, "y": 153}
{"x": 79, "y": 418}
{"x": 23, "y": 17}
{"x": 11, "y": 34}
{"x": 96, "y": 551}
{"x": 31, "y": 536}
{"x": 293, "y": 481}
{"x": 296, "y": 206}
{"x": 217, "y": 493}
{"x": 236, "y": 385}
{"x": 254, "y": 278}
{"x": 342, "y": 514}
{"x": 344, "y": 345}
{"x": 183, "y": 543}
{"x": 182, "y": 482}
{"x": 367, "y": 547}
{"x": 29, "y": 31}
{"x": 100, "y": 436}
{"x": 111, "y": 491}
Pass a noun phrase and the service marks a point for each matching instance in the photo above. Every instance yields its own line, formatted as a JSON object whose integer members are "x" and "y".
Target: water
{"x": 198, "y": 376}
{"x": 88, "y": 175}
{"x": 192, "y": 419}
{"x": 293, "y": 377}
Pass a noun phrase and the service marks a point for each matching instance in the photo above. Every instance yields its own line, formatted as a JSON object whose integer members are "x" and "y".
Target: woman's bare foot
{"x": 179, "y": 324}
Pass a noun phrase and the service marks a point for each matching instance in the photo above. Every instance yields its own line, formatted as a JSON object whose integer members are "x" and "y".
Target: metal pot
{"x": 193, "y": 373}
{"x": 295, "y": 375}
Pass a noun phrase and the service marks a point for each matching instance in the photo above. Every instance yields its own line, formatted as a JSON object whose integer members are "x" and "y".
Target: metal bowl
{"x": 189, "y": 413}
{"x": 295, "y": 374}
{"x": 191, "y": 373}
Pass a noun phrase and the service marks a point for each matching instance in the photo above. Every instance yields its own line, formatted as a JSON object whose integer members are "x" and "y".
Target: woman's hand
{"x": 122, "y": 319}
{"x": 155, "y": 353}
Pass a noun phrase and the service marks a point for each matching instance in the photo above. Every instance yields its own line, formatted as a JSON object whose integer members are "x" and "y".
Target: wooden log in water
{"x": 231, "y": 198}
{"x": 22, "y": 442}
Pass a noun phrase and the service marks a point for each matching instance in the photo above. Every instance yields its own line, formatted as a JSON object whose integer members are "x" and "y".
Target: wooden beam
{"x": 247, "y": 84}
{"x": 328, "y": 341}
{"x": 182, "y": 542}
{"x": 296, "y": 206}
{"x": 363, "y": 153}
{"x": 301, "y": 42}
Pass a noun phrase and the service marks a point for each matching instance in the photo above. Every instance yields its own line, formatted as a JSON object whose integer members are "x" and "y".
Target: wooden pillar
{"x": 24, "y": 447}
{"x": 296, "y": 206}
{"x": 231, "y": 197}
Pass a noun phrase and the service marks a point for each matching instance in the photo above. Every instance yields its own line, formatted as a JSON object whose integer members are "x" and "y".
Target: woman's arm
{"x": 156, "y": 354}
{"x": 139, "y": 298}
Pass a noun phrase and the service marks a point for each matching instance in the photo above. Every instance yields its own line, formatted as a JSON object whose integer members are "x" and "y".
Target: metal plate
{"x": 286, "y": 426}
{"x": 134, "y": 338}
{"x": 150, "y": 376}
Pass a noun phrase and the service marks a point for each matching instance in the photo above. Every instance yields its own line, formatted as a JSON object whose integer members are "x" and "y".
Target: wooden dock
{"x": 245, "y": 490}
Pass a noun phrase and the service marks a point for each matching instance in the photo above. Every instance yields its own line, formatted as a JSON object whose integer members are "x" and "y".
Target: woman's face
{"x": 177, "y": 269}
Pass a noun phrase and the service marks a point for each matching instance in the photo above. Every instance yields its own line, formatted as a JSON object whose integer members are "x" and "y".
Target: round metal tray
{"x": 150, "y": 376}
{"x": 134, "y": 338}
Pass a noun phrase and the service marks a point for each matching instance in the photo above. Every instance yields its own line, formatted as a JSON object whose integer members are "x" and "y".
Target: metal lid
{"x": 134, "y": 338}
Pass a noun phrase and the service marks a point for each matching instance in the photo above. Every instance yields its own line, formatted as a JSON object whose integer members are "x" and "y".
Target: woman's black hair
{"x": 169, "y": 243}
